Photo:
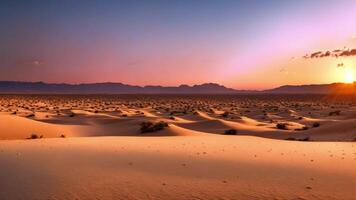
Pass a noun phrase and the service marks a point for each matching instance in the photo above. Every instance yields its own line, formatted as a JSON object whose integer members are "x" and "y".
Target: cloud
{"x": 35, "y": 63}
{"x": 334, "y": 53}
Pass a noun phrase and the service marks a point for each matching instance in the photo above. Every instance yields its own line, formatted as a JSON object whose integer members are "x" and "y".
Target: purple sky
{"x": 242, "y": 44}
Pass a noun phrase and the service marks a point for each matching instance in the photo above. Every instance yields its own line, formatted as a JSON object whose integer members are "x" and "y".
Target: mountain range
{"x": 332, "y": 88}
{"x": 10, "y": 87}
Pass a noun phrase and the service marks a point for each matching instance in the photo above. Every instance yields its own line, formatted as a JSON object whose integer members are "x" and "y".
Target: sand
{"x": 105, "y": 156}
{"x": 192, "y": 167}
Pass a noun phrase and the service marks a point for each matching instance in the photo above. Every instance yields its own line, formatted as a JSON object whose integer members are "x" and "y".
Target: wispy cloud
{"x": 35, "y": 63}
{"x": 334, "y": 53}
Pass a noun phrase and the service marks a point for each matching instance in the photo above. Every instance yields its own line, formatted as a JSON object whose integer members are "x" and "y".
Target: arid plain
{"x": 258, "y": 146}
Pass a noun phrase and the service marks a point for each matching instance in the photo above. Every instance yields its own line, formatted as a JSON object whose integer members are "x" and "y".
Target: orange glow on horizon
{"x": 349, "y": 76}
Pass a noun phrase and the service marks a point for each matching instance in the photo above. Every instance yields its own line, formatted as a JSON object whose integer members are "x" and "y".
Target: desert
{"x": 209, "y": 147}
{"x": 177, "y": 100}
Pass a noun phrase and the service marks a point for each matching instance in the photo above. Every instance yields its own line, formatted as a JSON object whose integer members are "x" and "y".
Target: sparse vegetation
{"x": 62, "y": 136}
{"x": 281, "y": 126}
{"x": 316, "y": 124}
{"x": 225, "y": 114}
{"x": 231, "y": 132}
{"x": 147, "y": 127}
{"x": 34, "y": 136}
{"x": 30, "y": 115}
{"x": 279, "y": 112}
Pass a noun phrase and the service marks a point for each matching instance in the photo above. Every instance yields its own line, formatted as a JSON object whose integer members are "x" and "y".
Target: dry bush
{"x": 148, "y": 127}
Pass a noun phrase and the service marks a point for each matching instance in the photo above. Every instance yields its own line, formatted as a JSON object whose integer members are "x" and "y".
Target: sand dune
{"x": 201, "y": 167}
{"x": 104, "y": 116}
{"x": 105, "y": 156}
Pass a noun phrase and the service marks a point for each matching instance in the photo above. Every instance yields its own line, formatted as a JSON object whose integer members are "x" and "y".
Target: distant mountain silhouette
{"x": 17, "y": 87}
{"x": 332, "y": 88}
{"x": 110, "y": 88}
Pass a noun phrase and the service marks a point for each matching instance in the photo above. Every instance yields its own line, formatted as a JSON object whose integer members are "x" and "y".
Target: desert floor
{"x": 92, "y": 147}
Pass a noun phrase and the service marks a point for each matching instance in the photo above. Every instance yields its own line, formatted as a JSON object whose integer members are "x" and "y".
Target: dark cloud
{"x": 335, "y": 53}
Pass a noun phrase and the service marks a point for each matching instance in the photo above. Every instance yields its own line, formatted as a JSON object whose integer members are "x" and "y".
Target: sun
{"x": 349, "y": 76}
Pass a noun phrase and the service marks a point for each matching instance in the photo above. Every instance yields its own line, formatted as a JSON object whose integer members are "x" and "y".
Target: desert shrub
{"x": 62, "y": 136}
{"x": 316, "y": 124}
{"x": 71, "y": 115}
{"x": 281, "y": 126}
{"x": 160, "y": 125}
{"x": 34, "y": 136}
{"x": 147, "y": 127}
{"x": 231, "y": 132}
{"x": 124, "y": 115}
{"x": 30, "y": 115}
{"x": 225, "y": 114}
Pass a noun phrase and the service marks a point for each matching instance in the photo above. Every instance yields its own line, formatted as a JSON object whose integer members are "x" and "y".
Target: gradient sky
{"x": 246, "y": 44}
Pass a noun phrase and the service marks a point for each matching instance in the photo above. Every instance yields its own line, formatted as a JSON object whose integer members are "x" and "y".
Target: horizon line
{"x": 192, "y": 85}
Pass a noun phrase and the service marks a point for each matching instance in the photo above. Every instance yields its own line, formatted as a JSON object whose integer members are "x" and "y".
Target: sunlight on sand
{"x": 195, "y": 157}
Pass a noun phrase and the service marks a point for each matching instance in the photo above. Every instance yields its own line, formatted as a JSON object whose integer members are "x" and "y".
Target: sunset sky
{"x": 246, "y": 44}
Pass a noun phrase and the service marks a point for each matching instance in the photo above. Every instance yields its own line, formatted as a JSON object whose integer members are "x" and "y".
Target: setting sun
{"x": 349, "y": 76}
